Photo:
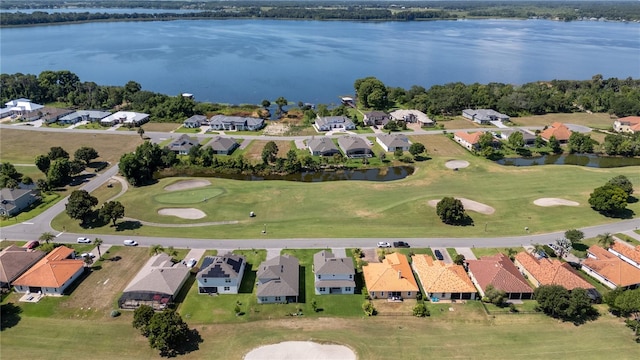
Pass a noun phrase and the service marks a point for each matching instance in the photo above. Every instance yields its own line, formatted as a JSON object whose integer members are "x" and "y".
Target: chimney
{"x": 399, "y": 274}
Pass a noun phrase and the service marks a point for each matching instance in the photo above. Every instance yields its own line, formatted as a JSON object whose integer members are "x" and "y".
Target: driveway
{"x": 445, "y": 254}
{"x": 468, "y": 254}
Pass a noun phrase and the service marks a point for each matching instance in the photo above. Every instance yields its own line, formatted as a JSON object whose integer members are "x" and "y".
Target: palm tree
{"x": 155, "y": 249}
{"x": 98, "y": 242}
{"x": 171, "y": 251}
{"x": 46, "y": 237}
{"x": 141, "y": 132}
{"x": 538, "y": 248}
{"x": 606, "y": 240}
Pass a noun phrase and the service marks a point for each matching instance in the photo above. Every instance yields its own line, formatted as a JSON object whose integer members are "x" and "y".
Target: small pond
{"x": 589, "y": 160}
{"x": 375, "y": 174}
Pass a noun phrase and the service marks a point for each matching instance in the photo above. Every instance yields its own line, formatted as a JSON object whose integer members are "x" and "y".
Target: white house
{"x": 333, "y": 275}
{"x": 127, "y": 118}
{"x": 328, "y": 123}
{"x": 221, "y": 274}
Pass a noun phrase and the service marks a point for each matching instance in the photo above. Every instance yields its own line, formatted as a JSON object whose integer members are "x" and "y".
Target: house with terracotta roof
{"x": 221, "y": 274}
{"x": 52, "y": 274}
{"x": 442, "y": 281}
{"x": 14, "y": 261}
{"x": 544, "y": 271}
{"x": 627, "y": 253}
{"x": 557, "y": 129}
{"x": 390, "y": 279}
{"x": 333, "y": 275}
{"x": 156, "y": 284}
{"x": 470, "y": 141}
{"x": 500, "y": 272}
{"x": 610, "y": 270}
{"x": 629, "y": 124}
{"x": 278, "y": 280}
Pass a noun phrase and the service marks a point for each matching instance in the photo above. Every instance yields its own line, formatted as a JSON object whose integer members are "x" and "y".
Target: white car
{"x": 84, "y": 240}
{"x": 383, "y": 244}
{"x": 191, "y": 263}
{"x": 130, "y": 242}
{"x": 85, "y": 255}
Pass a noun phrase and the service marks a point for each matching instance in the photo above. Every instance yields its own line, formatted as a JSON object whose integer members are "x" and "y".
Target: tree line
{"x": 323, "y": 10}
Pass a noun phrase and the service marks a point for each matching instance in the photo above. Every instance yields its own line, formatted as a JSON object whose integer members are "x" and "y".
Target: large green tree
{"x": 111, "y": 211}
{"x": 622, "y": 182}
{"x": 416, "y": 148}
{"x": 580, "y": 143}
{"x": 269, "y": 152}
{"x": 451, "y": 211}
{"x": 138, "y": 167}
{"x": 80, "y": 205}
{"x": 371, "y": 93}
{"x": 608, "y": 199}
{"x": 56, "y": 152}
{"x": 9, "y": 176}
{"x": 86, "y": 154}
{"x": 142, "y": 317}
{"x": 42, "y": 163}
{"x": 59, "y": 172}
{"x": 574, "y": 235}
{"x": 558, "y": 302}
{"x": 167, "y": 331}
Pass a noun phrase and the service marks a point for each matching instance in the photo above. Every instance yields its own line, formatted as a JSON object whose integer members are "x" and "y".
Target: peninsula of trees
{"x": 319, "y": 10}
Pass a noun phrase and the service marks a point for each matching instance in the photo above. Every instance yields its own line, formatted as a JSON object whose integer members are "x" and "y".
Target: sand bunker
{"x": 456, "y": 164}
{"x": 187, "y": 184}
{"x": 470, "y": 205}
{"x": 183, "y": 213}
{"x": 554, "y": 202}
{"x": 295, "y": 350}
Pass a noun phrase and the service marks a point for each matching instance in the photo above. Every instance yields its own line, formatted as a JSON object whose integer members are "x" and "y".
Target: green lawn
{"x": 479, "y": 252}
{"x": 185, "y": 130}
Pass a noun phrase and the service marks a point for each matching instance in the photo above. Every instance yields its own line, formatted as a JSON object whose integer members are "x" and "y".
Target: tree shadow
{"x": 98, "y": 164}
{"x": 624, "y": 214}
{"x": 9, "y": 316}
{"x": 190, "y": 343}
{"x": 421, "y": 158}
{"x": 632, "y": 199}
{"x": 578, "y": 246}
{"x": 359, "y": 280}
{"x": 128, "y": 225}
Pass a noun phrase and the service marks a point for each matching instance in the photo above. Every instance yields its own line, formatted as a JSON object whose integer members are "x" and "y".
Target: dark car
{"x": 32, "y": 244}
{"x": 438, "y": 255}
{"x": 400, "y": 244}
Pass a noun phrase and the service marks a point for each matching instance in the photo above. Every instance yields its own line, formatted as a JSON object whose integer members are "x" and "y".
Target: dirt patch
{"x": 546, "y": 202}
{"x": 301, "y": 350}
{"x": 456, "y": 164}
{"x": 183, "y": 213}
{"x": 470, "y": 205}
{"x": 187, "y": 184}
{"x": 276, "y": 129}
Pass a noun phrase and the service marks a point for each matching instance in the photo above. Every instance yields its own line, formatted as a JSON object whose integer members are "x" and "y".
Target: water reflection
{"x": 589, "y": 160}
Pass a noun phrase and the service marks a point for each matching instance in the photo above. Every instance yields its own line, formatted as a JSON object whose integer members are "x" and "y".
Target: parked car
{"x": 84, "y": 240}
{"x": 130, "y": 242}
{"x": 383, "y": 244}
{"x": 191, "y": 263}
{"x": 438, "y": 255}
{"x": 400, "y": 244}
{"x": 85, "y": 255}
{"x": 33, "y": 244}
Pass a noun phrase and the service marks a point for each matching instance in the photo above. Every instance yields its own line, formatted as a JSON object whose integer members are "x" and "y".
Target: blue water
{"x": 246, "y": 61}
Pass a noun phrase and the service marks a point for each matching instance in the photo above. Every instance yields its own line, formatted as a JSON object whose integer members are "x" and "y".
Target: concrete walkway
{"x": 632, "y": 234}
{"x": 339, "y": 252}
{"x": 245, "y": 143}
{"x": 125, "y": 187}
{"x": 273, "y": 252}
{"x": 468, "y": 254}
{"x": 194, "y": 254}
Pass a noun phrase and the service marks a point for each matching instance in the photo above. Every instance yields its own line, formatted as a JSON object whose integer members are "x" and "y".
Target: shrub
{"x": 368, "y": 308}
{"x": 115, "y": 313}
{"x": 420, "y": 310}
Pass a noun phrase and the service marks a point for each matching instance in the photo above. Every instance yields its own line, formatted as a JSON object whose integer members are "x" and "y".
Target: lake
{"x": 588, "y": 160}
{"x": 246, "y": 61}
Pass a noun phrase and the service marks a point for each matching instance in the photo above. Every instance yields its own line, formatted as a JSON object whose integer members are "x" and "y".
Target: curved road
{"x": 32, "y": 229}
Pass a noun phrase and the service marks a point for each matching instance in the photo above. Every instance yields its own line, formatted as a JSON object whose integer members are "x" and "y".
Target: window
{"x": 278, "y": 298}
{"x": 204, "y": 280}
{"x": 323, "y": 289}
{"x": 347, "y": 289}
{"x": 319, "y": 276}
{"x": 263, "y": 299}
{"x": 382, "y": 293}
{"x": 227, "y": 281}
{"x": 350, "y": 276}
{"x": 226, "y": 288}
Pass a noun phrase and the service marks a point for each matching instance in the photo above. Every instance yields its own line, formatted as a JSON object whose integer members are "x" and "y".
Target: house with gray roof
{"x": 235, "y": 123}
{"x": 14, "y": 261}
{"x": 529, "y": 138}
{"x": 329, "y": 123}
{"x": 354, "y": 146}
{"x": 378, "y": 118}
{"x": 391, "y": 142}
{"x": 127, "y": 118}
{"x": 221, "y": 274}
{"x": 195, "y": 121}
{"x": 156, "y": 284}
{"x": 183, "y": 144}
{"x": 333, "y": 275}
{"x": 322, "y": 146}
{"x": 83, "y": 115}
{"x": 277, "y": 280}
{"x": 222, "y": 145}
{"x": 484, "y": 116}
{"x": 412, "y": 116}
{"x": 13, "y": 201}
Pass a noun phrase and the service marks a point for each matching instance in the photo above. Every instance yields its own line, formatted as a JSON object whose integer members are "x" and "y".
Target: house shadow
{"x": 9, "y": 315}
{"x": 184, "y": 291}
{"x": 302, "y": 281}
{"x": 128, "y": 225}
{"x": 248, "y": 280}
